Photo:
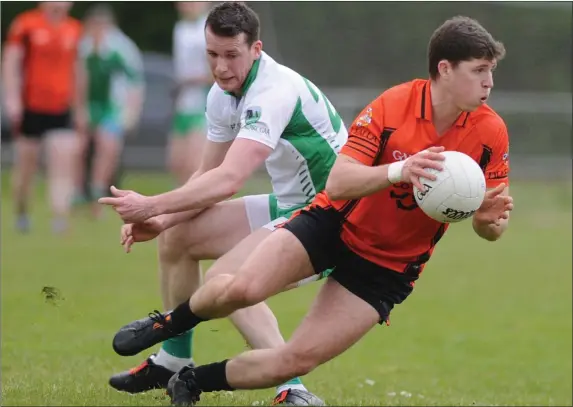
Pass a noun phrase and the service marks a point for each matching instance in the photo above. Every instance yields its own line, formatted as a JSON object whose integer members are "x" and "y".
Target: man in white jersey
{"x": 193, "y": 80}
{"x": 258, "y": 111}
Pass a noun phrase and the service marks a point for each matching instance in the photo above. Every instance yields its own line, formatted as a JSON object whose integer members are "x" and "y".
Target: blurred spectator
{"x": 193, "y": 80}
{"x": 41, "y": 100}
{"x": 115, "y": 92}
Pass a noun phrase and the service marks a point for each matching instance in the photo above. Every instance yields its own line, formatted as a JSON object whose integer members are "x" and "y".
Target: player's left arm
{"x": 492, "y": 219}
{"x": 260, "y": 132}
{"x": 134, "y": 72}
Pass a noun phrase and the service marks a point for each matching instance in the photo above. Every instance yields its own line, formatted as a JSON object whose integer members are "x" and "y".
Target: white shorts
{"x": 260, "y": 212}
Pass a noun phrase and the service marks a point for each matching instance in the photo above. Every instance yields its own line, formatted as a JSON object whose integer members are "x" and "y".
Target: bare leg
{"x": 106, "y": 159}
{"x": 184, "y": 156}
{"x": 259, "y": 277}
{"x": 208, "y": 235}
{"x": 80, "y": 169}
{"x": 195, "y": 142}
{"x": 256, "y": 323}
{"x": 62, "y": 149}
{"x": 336, "y": 321}
{"x": 27, "y": 152}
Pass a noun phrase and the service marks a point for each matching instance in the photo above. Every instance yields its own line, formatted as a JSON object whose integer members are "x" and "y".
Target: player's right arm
{"x": 356, "y": 174}
{"x": 219, "y": 140}
{"x": 212, "y": 156}
{"x": 12, "y": 60}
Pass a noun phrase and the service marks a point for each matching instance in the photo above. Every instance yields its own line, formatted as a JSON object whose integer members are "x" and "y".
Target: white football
{"x": 457, "y": 192}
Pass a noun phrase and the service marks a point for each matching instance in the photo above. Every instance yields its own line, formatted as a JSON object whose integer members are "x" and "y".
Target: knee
{"x": 241, "y": 291}
{"x": 294, "y": 363}
{"x": 173, "y": 243}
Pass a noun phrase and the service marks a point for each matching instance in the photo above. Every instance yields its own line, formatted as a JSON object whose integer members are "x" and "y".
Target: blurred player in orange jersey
{"x": 42, "y": 101}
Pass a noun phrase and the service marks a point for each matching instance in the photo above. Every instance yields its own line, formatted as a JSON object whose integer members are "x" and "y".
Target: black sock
{"x": 212, "y": 377}
{"x": 183, "y": 319}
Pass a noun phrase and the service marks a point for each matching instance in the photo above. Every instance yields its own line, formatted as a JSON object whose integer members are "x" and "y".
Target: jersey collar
{"x": 250, "y": 78}
{"x": 424, "y": 106}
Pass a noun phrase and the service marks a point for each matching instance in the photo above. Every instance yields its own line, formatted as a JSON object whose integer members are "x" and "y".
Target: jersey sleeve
{"x": 267, "y": 114}
{"x": 132, "y": 62}
{"x": 17, "y": 31}
{"x": 218, "y": 131}
{"x": 363, "y": 142}
{"x": 497, "y": 169}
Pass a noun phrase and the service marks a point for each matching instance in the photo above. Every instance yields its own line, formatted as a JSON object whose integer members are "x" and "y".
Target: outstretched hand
{"x": 130, "y": 206}
{"x": 494, "y": 207}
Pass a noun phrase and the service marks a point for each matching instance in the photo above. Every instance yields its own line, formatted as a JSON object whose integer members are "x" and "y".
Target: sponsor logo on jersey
{"x": 259, "y": 128}
{"x": 252, "y": 115}
{"x": 365, "y": 119}
{"x": 399, "y": 156}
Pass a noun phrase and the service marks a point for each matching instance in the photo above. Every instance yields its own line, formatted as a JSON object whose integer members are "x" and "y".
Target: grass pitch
{"x": 488, "y": 324}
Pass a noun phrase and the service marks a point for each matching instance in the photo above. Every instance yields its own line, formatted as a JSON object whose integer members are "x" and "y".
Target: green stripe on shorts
{"x": 185, "y": 123}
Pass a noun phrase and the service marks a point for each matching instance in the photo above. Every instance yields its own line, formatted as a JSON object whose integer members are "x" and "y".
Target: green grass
{"x": 488, "y": 324}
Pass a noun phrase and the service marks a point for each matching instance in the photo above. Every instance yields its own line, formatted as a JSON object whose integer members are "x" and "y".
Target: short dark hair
{"x": 100, "y": 10}
{"x": 231, "y": 18}
{"x": 461, "y": 39}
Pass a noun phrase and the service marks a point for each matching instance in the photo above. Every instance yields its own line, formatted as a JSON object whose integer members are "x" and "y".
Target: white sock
{"x": 171, "y": 362}
{"x": 287, "y": 386}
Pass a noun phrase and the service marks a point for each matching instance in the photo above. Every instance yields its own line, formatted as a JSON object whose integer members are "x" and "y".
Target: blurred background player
{"x": 41, "y": 97}
{"x": 114, "y": 76}
{"x": 193, "y": 80}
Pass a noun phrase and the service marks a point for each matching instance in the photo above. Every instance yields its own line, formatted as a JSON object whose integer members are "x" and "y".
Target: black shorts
{"x": 319, "y": 230}
{"x": 35, "y": 125}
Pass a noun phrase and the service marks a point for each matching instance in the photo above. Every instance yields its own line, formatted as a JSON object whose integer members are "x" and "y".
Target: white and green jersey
{"x": 190, "y": 62}
{"x": 112, "y": 66}
{"x": 288, "y": 113}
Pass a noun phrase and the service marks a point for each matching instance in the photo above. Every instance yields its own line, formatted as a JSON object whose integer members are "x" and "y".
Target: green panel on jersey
{"x": 100, "y": 70}
{"x": 335, "y": 118}
{"x": 319, "y": 155}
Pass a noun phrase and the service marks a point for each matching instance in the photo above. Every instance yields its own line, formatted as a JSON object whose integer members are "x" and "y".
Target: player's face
{"x": 98, "y": 26}
{"x": 57, "y": 8}
{"x": 231, "y": 59}
{"x": 470, "y": 83}
{"x": 191, "y": 9}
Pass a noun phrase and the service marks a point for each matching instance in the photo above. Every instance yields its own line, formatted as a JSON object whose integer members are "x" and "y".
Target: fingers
{"x": 118, "y": 192}
{"x": 109, "y": 201}
{"x": 126, "y": 232}
{"x": 422, "y": 173}
{"x": 437, "y": 149}
{"x": 428, "y": 155}
{"x": 416, "y": 182}
{"x": 429, "y": 163}
{"x": 492, "y": 193}
{"x": 128, "y": 243}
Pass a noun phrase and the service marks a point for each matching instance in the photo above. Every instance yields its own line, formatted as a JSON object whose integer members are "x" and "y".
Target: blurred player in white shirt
{"x": 192, "y": 82}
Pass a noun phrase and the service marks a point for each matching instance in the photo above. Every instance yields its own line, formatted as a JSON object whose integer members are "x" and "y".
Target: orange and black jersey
{"x": 50, "y": 53}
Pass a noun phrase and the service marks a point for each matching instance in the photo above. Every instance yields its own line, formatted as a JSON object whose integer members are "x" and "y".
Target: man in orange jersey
{"x": 39, "y": 79}
{"x": 365, "y": 224}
